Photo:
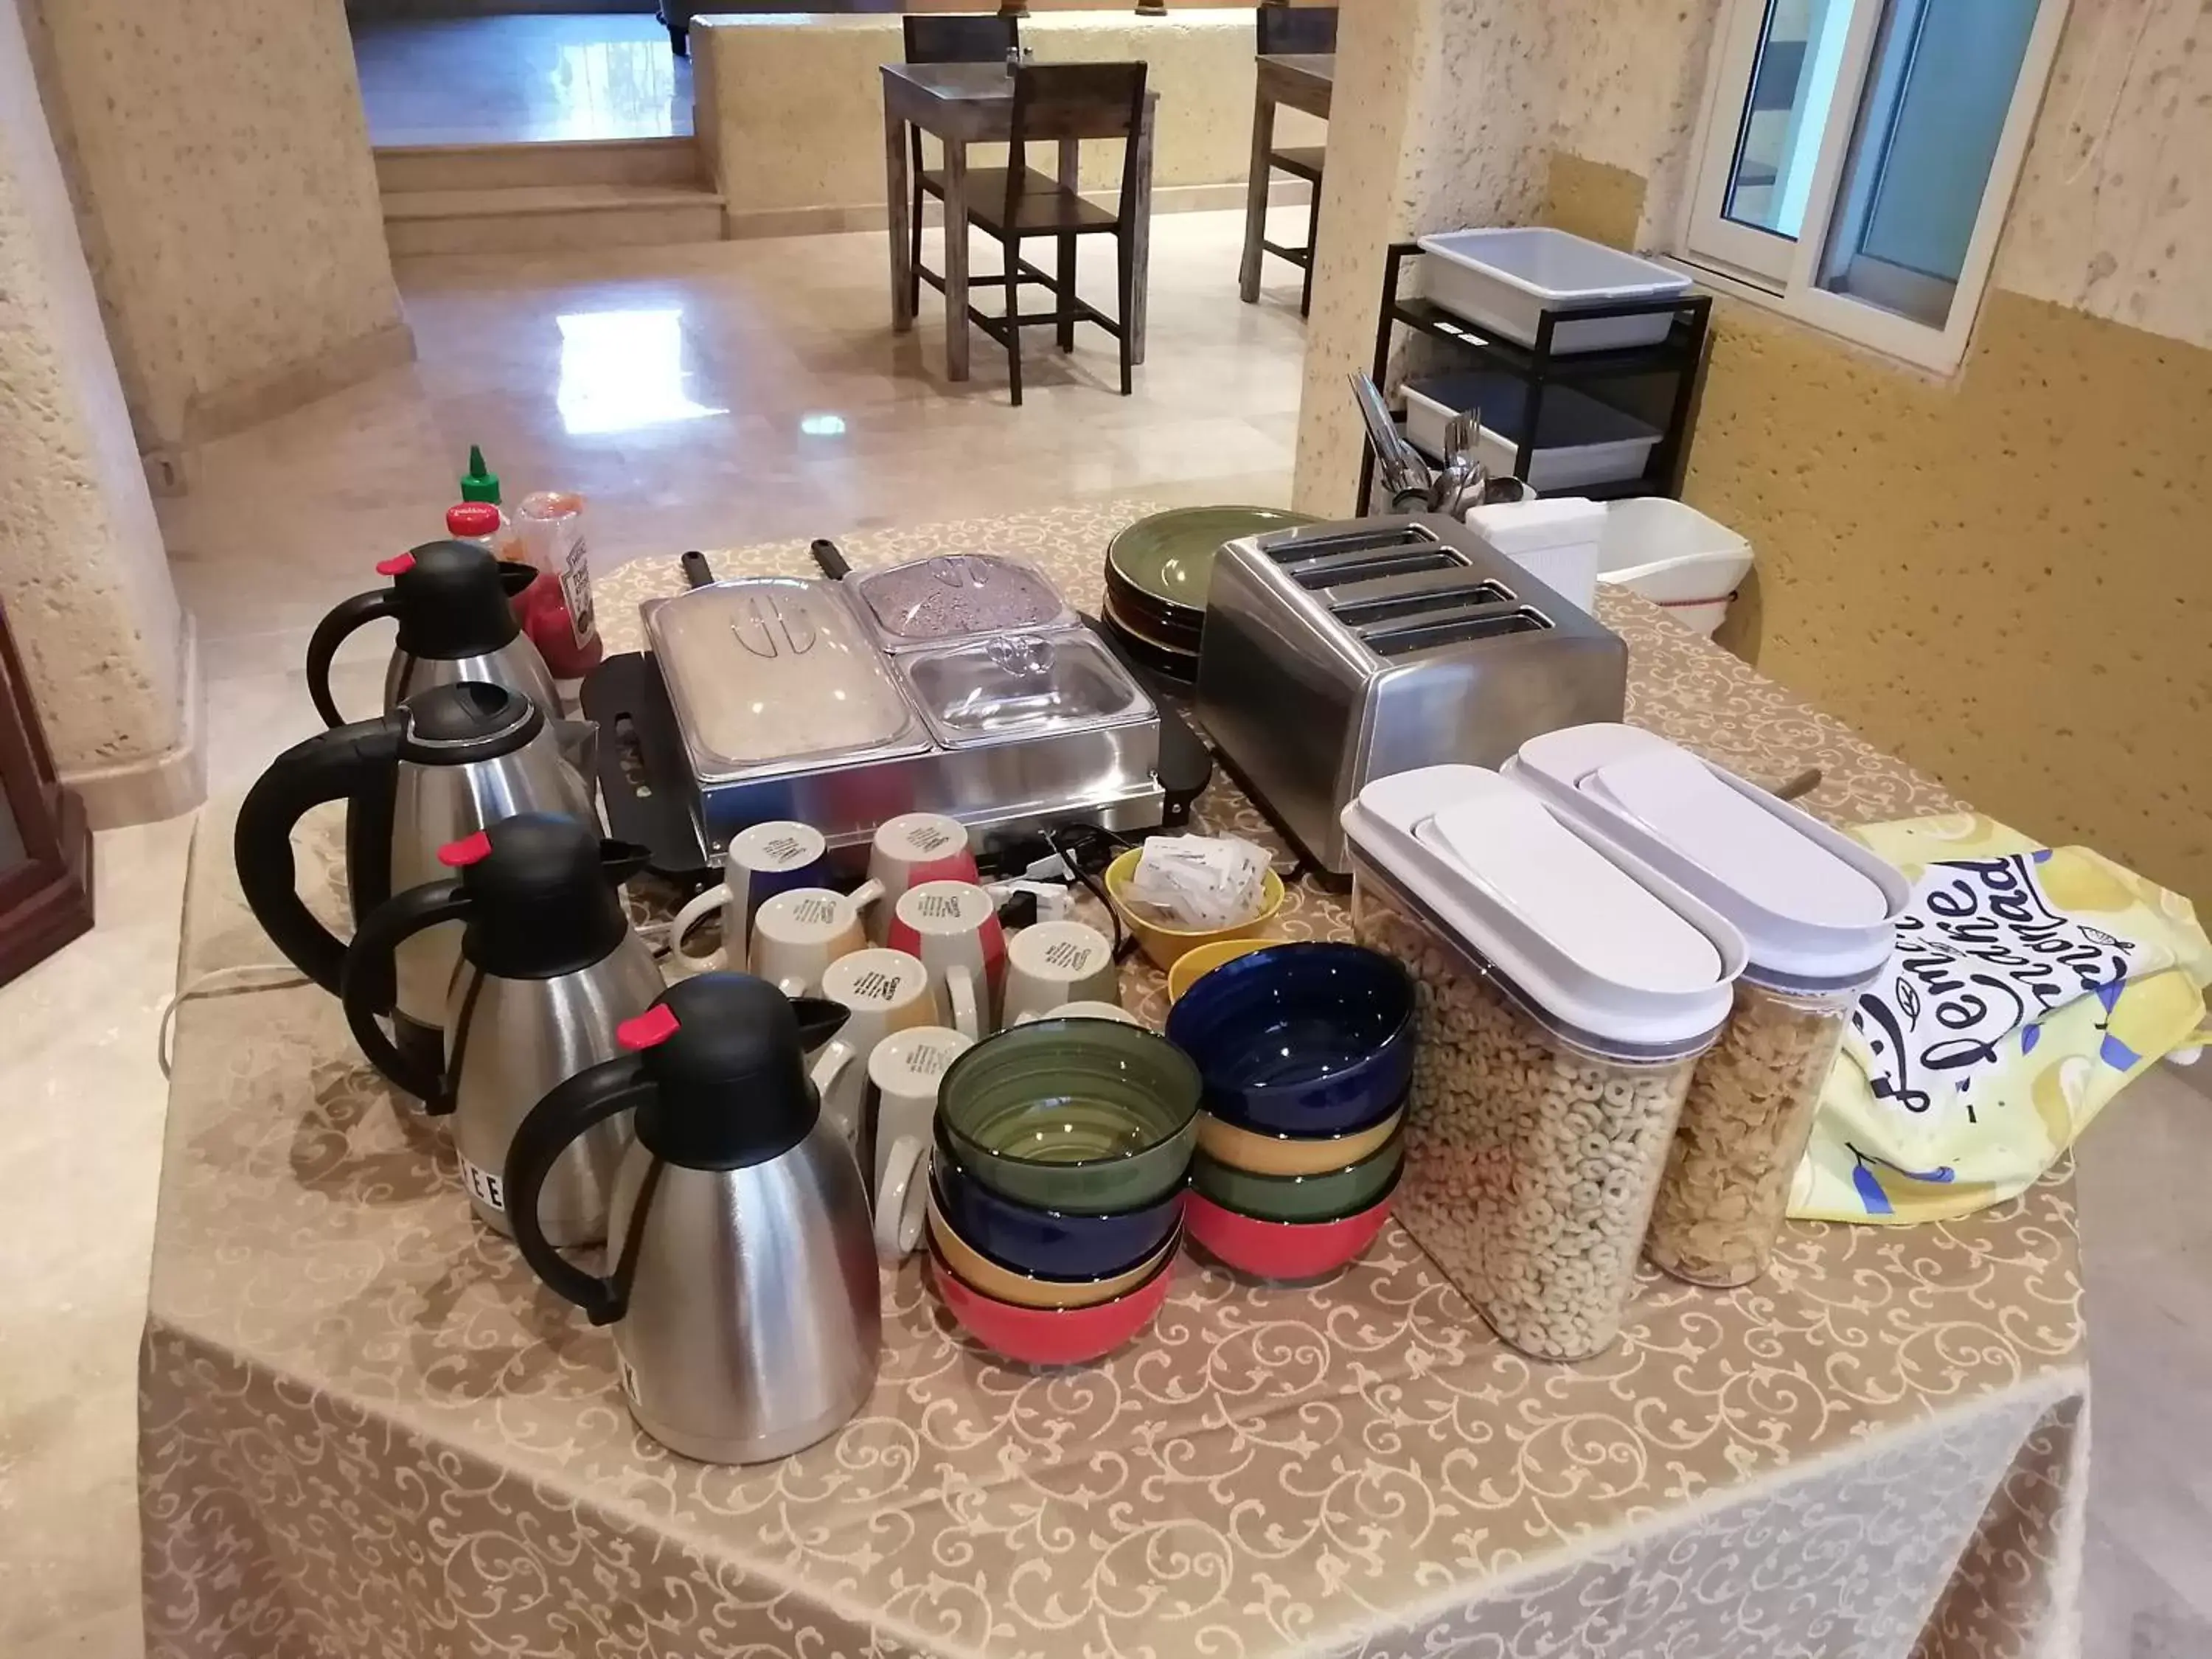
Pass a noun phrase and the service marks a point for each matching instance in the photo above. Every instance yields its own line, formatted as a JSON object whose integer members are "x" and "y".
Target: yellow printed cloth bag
{"x": 2029, "y": 985}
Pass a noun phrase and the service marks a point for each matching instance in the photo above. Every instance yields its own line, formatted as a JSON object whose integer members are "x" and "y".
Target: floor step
{"x": 550, "y": 218}
{"x": 411, "y": 167}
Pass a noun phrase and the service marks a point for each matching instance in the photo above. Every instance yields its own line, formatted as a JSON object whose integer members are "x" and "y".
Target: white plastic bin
{"x": 1505, "y": 280}
{"x": 1582, "y": 441}
{"x": 1674, "y": 555}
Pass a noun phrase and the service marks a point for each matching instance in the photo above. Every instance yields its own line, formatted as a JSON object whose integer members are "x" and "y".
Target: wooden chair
{"x": 1064, "y": 102}
{"x": 958, "y": 40}
{"x": 1299, "y": 29}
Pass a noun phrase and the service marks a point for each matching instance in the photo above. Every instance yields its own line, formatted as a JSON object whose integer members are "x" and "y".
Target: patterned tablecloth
{"x": 367, "y": 1431}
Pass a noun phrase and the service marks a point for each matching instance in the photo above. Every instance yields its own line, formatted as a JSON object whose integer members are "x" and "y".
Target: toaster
{"x": 1333, "y": 653}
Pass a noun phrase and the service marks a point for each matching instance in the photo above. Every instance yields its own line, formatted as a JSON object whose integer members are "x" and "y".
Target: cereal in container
{"x": 1566, "y": 994}
{"x": 1816, "y": 912}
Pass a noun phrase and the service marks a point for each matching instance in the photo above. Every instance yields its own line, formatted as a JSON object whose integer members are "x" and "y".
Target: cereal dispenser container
{"x": 1567, "y": 991}
{"x": 1816, "y": 911}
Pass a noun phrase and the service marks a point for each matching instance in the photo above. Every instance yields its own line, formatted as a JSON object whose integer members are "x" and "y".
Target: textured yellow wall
{"x": 2005, "y": 576}
{"x": 227, "y": 201}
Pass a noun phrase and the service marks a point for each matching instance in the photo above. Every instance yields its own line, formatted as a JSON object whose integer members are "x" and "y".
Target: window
{"x": 1857, "y": 157}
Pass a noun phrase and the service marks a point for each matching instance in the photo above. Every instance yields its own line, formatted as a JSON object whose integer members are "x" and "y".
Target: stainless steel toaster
{"x": 1333, "y": 653}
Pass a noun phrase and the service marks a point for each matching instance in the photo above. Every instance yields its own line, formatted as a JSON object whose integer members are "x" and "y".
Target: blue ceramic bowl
{"x": 1301, "y": 1039}
{"x": 1045, "y": 1243}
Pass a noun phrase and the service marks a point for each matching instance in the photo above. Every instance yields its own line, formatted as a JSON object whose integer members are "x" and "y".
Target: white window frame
{"x": 1771, "y": 270}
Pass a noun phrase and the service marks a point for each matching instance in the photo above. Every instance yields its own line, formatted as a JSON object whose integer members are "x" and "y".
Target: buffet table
{"x": 368, "y": 1430}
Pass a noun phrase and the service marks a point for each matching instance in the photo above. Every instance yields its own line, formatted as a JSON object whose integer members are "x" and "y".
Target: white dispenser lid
{"x": 1815, "y": 909}
{"x": 1610, "y": 952}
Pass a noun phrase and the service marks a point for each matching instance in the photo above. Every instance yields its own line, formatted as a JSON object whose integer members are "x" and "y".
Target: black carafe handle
{"x": 348, "y": 762}
{"x": 331, "y": 633}
{"x": 369, "y": 968}
{"x": 553, "y": 1124}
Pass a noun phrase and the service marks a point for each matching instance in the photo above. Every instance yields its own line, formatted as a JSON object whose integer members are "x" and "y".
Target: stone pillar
{"x": 83, "y": 572}
{"x": 1441, "y": 117}
{"x": 226, "y": 197}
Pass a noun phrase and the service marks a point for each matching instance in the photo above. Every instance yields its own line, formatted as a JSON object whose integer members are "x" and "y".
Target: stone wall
{"x": 2000, "y": 574}
{"x": 226, "y": 197}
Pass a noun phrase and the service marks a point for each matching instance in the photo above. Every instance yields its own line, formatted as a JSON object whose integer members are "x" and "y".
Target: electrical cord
{"x": 213, "y": 983}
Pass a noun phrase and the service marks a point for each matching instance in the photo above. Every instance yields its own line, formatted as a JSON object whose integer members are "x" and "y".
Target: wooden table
{"x": 1304, "y": 80}
{"x": 964, "y": 104}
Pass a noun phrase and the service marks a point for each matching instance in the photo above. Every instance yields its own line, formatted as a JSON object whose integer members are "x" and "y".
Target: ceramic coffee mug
{"x": 908, "y": 850}
{"x": 905, "y": 1070}
{"x": 763, "y": 861}
{"x": 1112, "y": 1010}
{"x": 954, "y": 928}
{"x": 886, "y": 991}
{"x": 798, "y": 935}
{"x": 1058, "y": 962}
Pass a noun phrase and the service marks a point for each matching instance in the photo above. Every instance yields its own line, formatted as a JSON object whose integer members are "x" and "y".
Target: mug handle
{"x": 690, "y": 917}
{"x": 868, "y": 892}
{"x": 967, "y": 1014}
{"x": 899, "y": 1198}
{"x": 827, "y": 1070}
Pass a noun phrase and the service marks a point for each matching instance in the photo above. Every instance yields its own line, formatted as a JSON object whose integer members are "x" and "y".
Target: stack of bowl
{"x": 1306, "y": 1051}
{"x": 1156, "y": 572}
{"x": 1055, "y": 1191}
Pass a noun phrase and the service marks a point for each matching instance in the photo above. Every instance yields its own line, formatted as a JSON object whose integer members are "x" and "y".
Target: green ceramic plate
{"x": 1088, "y": 1116}
{"x": 1330, "y": 1197}
{"x": 1170, "y": 555}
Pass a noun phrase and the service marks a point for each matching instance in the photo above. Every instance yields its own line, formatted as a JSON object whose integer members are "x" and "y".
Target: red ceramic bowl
{"x": 1051, "y": 1336}
{"x": 1281, "y": 1249}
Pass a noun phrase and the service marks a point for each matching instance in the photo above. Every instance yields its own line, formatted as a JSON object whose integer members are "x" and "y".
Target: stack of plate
{"x": 1156, "y": 575}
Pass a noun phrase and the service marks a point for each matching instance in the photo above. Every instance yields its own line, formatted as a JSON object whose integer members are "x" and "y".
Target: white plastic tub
{"x": 1505, "y": 279}
{"x": 1582, "y": 441}
{"x": 1674, "y": 555}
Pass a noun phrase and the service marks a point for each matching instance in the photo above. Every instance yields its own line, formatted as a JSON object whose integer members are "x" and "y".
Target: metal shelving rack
{"x": 1657, "y": 383}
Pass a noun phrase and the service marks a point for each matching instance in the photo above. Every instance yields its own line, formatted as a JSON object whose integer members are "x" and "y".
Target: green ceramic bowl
{"x": 1086, "y": 1116}
{"x": 1328, "y": 1197}
{"x": 1170, "y": 555}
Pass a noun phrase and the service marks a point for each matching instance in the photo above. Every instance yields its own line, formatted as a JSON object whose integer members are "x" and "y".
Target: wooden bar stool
{"x": 1066, "y": 103}
{"x": 949, "y": 39}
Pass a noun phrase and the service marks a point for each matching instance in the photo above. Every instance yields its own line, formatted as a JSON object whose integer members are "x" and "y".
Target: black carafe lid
{"x": 726, "y": 1054}
{"x": 450, "y": 599}
{"x": 542, "y": 894}
{"x": 467, "y": 721}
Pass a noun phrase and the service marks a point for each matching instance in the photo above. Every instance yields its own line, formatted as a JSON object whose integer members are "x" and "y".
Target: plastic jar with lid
{"x": 1815, "y": 910}
{"x": 1553, "y": 1065}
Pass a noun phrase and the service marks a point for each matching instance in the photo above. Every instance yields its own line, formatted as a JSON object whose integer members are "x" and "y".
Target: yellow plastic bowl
{"x": 1165, "y": 946}
{"x": 1291, "y": 1155}
{"x": 1201, "y": 960}
{"x": 1001, "y": 1283}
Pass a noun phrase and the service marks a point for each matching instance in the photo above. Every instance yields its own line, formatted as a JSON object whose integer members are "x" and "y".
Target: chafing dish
{"x": 955, "y": 597}
{"x": 786, "y": 709}
{"x": 1337, "y": 653}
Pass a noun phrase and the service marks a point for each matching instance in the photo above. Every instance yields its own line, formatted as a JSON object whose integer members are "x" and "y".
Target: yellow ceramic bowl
{"x": 1163, "y": 945}
{"x": 1291, "y": 1155}
{"x": 1202, "y": 959}
{"x": 979, "y": 1272}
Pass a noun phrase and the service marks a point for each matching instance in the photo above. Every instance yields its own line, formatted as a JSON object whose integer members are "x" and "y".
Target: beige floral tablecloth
{"x": 367, "y": 1431}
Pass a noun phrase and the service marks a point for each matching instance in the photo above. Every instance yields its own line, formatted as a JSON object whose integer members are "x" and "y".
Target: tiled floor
{"x": 508, "y": 80}
{"x": 708, "y": 396}
{"x": 711, "y": 396}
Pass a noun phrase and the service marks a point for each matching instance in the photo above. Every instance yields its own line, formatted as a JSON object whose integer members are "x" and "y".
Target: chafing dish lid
{"x": 957, "y": 596}
{"x": 771, "y": 671}
{"x": 1021, "y": 686}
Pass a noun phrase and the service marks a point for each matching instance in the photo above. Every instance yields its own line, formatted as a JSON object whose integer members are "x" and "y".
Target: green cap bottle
{"x": 479, "y": 483}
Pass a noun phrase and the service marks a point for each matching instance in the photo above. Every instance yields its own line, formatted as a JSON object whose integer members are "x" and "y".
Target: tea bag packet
{"x": 1200, "y": 881}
